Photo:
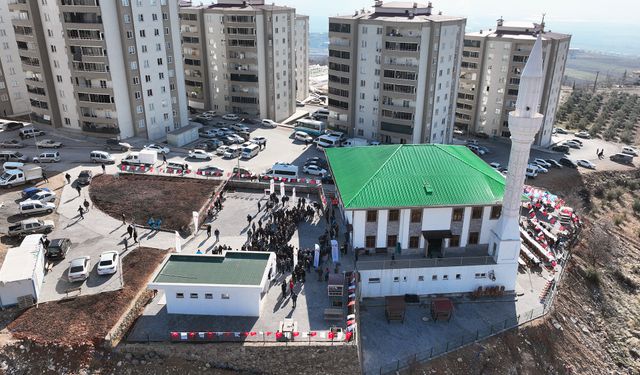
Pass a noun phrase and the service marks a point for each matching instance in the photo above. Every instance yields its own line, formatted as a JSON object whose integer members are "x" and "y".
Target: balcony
{"x": 82, "y": 18}
{"x": 243, "y": 77}
{"x": 94, "y": 127}
{"x": 86, "y": 3}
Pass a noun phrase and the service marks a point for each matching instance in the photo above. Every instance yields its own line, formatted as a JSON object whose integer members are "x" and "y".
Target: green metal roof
{"x": 420, "y": 175}
{"x": 243, "y": 268}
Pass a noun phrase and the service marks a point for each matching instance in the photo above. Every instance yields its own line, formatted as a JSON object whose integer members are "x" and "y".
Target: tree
{"x": 599, "y": 244}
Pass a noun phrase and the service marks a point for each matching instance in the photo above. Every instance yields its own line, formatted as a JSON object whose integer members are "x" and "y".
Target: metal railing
{"x": 364, "y": 265}
{"x": 461, "y": 341}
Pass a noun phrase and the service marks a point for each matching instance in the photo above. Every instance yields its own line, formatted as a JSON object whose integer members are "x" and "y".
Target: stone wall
{"x": 268, "y": 359}
{"x": 122, "y": 326}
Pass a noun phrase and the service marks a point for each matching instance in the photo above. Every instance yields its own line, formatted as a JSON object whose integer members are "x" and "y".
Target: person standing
{"x": 208, "y": 230}
{"x": 249, "y": 219}
{"x": 68, "y": 177}
{"x": 104, "y": 169}
{"x": 217, "y": 234}
{"x": 283, "y": 286}
{"x": 130, "y": 230}
{"x": 44, "y": 177}
{"x": 124, "y": 219}
{"x": 135, "y": 235}
{"x": 86, "y": 205}
{"x": 258, "y": 206}
{"x": 291, "y": 285}
{"x": 81, "y": 212}
{"x": 164, "y": 159}
{"x": 294, "y": 298}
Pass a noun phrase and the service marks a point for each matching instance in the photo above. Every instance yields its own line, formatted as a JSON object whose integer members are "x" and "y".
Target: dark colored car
{"x": 116, "y": 144}
{"x": 328, "y": 180}
{"x": 13, "y": 126}
{"x": 554, "y": 163}
{"x": 317, "y": 161}
{"x": 568, "y": 163}
{"x": 12, "y": 143}
{"x": 58, "y": 248}
{"x": 560, "y": 148}
{"x": 242, "y": 173}
{"x": 208, "y": 171}
{"x": 31, "y": 191}
{"x": 482, "y": 135}
{"x": 84, "y": 178}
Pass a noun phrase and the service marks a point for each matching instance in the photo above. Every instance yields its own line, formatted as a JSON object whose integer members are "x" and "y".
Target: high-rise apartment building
{"x": 245, "y": 57}
{"x": 14, "y": 99}
{"x": 105, "y": 67}
{"x": 492, "y": 62}
{"x": 393, "y": 73}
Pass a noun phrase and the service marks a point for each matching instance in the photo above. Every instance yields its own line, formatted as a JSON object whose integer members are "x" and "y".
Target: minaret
{"x": 524, "y": 123}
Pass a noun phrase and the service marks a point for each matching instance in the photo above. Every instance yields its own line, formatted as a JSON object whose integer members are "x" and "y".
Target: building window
{"x": 208, "y": 296}
{"x": 372, "y": 216}
{"x": 420, "y": 278}
{"x": 396, "y": 279}
{"x": 225, "y": 296}
{"x": 416, "y": 216}
{"x": 454, "y": 241}
{"x": 496, "y": 211}
{"x": 392, "y": 240}
{"x": 458, "y": 213}
{"x": 476, "y": 213}
{"x": 473, "y": 238}
{"x": 394, "y": 215}
{"x": 445, "y": 277}
{"x": 481, "y": 275}
{"x": 193, "y": 295}
{"x": 370, "y": 241}
{"x": 374, "y": 280}
{"x": 414, "y": 242}
{"x": 434, "y": 277}
{"x": 458, "y": 276}
{"x": 179, "y": 295}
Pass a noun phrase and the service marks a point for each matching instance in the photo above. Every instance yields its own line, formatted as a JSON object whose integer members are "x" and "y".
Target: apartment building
{"x": 103, "y": 67}
{"x": 14, "y": 99}
{"x": 245, "y": 57}
{"x": 492, "y": 62}
{"x": 393, "y": 73}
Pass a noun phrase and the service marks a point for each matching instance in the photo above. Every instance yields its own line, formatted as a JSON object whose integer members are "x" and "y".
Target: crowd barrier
{"x": 259, "y": 336}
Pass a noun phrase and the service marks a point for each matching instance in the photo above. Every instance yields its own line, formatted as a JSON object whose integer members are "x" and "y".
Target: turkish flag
{"x": 278, "y": 335}
{"x": 313, "y": 334}
{"x": 331, "y": 335}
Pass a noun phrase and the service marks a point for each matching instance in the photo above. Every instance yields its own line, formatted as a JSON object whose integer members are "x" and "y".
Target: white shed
{"x": 22, "y": 271}
{"x": 183, "y": 135}
{"x": 231, "y": 284}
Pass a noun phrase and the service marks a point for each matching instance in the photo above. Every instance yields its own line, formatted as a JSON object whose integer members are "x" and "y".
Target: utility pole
{"x": 595, "y": 83}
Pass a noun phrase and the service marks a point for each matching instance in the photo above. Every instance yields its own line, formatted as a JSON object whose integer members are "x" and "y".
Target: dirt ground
{"x": 171, "y": 199}
{"x": 595, "y": 327}
{"x": 87, "y": 319}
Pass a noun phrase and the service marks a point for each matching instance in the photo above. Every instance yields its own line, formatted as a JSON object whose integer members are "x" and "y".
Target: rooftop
{"x": 20, "y": 262}
{"x": 233, "y": 268}
{"x": 518, "y": 30}
{"x": 422, "y": 175}
{"x": 400, "y": 11}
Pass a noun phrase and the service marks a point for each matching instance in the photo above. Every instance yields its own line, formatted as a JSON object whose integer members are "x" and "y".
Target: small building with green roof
{"x": 231, "y": 284}
{"x": 427, "y": 205}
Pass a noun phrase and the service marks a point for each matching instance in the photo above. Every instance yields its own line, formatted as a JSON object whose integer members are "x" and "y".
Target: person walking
{"x": 124, "y": 219}
{"x": 68, "y": 177}
{"x": 294, "y": 298}
{"x": 79, "y": 190}
{"x": 291, "y": 285}
{"x": 86, "y": 205}
{"x": 135, "y": 235}
{"x": 130, "y": 230}
{"x": 249, "y": 219}
{"x": 258, "y": 206}
{"x": 44, "y": 177}
{"x": 164, "y": 159}
{"x": 283, "y": 286}
{"x": 217, "y": 234}
{"x": 104, "y": 169}
{"x": 208, "y": 230}
{"x": 81, "y": 212}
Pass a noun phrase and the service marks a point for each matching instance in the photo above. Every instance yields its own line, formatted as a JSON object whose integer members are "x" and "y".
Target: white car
{"x": 240, "y": 127}
{"x": 225, "y": 131}
{"x": 538, "y": 168}
{"x": 157, "y": 148}
{"x": 34, "y": 207}
{"x": 302, "y": 137}
{"x": 48, "y": 143}
{"x": 200, "y": 154}
{"x": 231, "y": 117}
{"x": 221, "y": 150}
{"x": 583, "y": 134}
{"x": 542, "y": 162}
{"x": 209, "y": 113}
{"x": 314, "y": 170}
{"x": 238, "y": 138}
{"x": 44, "y": 196}
{"x": 495, "y": 165}
{"x": 270, "y": 123}
{"x": 108, "y": 263}
{"x": 585, "y": 164}
{"x": 79, "y": 269}
{"x": 259, "y": 140}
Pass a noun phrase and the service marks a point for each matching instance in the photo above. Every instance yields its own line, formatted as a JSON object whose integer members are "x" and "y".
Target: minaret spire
{"x": 531, "y": 80}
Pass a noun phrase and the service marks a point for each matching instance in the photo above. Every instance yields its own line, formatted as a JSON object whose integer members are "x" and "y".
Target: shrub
{"x": 592, "y": 275}
{"x": 619, "y": 219}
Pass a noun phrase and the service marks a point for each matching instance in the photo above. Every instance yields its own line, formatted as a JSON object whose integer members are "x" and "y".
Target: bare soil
{"x": 86, "y": 320}
{"x": 595, "y": 327}
{"x": 171, "y": 199}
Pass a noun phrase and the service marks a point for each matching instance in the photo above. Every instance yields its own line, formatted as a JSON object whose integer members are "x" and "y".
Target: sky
{"x": 608, "y": 26}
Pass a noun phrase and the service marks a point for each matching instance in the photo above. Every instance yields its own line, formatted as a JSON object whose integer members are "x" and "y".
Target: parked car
{"x": 238, "y": 139}
{"x": 269, "y": 123}
{"x": 583, "y": 134}
{"x": 209, "y": 113}
{"x": 58, "y": 248}
{"x": 158, "y": 148}
{"x": 259, "y": 140}
{"x": 31, "y": 191}
{"x": 299, "y": 103}
{"x": 239, "y": 127}
{"x": 315, "y": 170}
{"x": 542, "y": 162}
{"x": 44, "y": 196}
{"x": 538, "y": 168}
{"x": 560, "y": 131}
{"x": 30, "y": 132}
{"x": 47, "y": 157}
{"x": 30, "y": 226}
{"x": 84, "y": 178}
{"x": 108, "y": 263}
{"x": 200, "y": 154}
{"x": 101, "y": 157}
{"x": 317, "y": 161}
{"x": 79, "y": 269}
{"x": 630, "y": 151}
{"x": 231, "y": 117}
{"x": 554, "y": 163}
{"x": 221, "y": 150}
{"x": 209, "y": 145}
{"x": 12, "y": 143}
{"x": 560, "y": 148}
{"x": 242, "y": 173}
{"x": 302, "y": 137}
{"x": 232, "y": 152}
{"x": 495, "y": 165}
{"x": 622, "y": 158}
{"x": 177, "y": 166}
{"x": 33, "y": 207}
{"x": 13, "y": 125}
{"x": 567, "y": 162}
{"x": 585, "y": 164}
{"x": 576, "y": 140}
{"x": 572, "y": 144}
{"x": 210, "y": 170}
{"x": 115, "y": 144}
{"x": 328, "y": 180}
{"x": 48, "y": 143}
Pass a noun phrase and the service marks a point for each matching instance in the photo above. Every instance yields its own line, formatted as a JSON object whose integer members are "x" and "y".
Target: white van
{"x": 302, "y": 137}
{"x": 326, "y": 141}
{"x": 321, "y": 114}
{"x": 531, "y": 173}
{"x": 101, "y": 157}
{"x": 282, "y": 170}
{"x": 33, "y": 207}
{"x": 12, "y": 165}
{"x": 47, "y": 157}
{"x": 250, "y": 151}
